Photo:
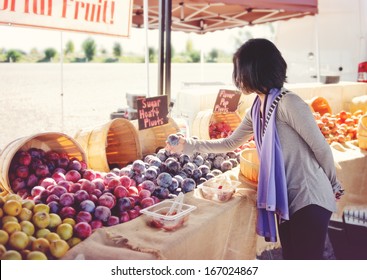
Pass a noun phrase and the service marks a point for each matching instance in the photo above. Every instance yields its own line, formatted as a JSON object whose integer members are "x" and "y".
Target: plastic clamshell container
{"x": 217, "y": 191}
{"x": 155, "y": 215}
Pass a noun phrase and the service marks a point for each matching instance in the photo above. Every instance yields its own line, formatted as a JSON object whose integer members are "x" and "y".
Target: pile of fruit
{"x": 219, "y": 130}
{"x": 58, "y": 201}
{"x": 340, "y": 127}
{"x": 30, "y": 231}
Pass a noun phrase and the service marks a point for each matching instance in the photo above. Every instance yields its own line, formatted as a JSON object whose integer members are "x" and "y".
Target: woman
{"x": 297, "y": 179}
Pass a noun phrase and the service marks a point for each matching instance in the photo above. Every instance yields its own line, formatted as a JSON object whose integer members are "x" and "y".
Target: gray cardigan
{"x": 309, "y": 164}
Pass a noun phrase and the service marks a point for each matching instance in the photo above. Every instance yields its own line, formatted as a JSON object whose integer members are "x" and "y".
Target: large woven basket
{"x": 362, "y": 132}
{"x": 112, "y": 144}
{"x": 154, "y": 138}
{"x": 249, "y": 164}
{"x": 48, "y": 141}
{"x": 203, "y": 119}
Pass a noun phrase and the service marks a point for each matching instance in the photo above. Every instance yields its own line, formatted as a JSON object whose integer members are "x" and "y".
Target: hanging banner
{"x": 107, "y": 17}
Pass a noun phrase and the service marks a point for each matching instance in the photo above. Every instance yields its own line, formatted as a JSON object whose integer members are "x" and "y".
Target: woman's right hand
{"x": 176, "y": 146}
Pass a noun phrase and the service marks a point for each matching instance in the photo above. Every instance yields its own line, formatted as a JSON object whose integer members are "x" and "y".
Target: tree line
{"x": 91, "y": 53}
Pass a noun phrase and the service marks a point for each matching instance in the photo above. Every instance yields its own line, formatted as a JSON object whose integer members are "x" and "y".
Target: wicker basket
{"x": 154, "y": 138}
{"x": 113, "y": 144}
{"x": 359, "y": 103}
{"x": 249, "y": 164}
{"x": 362, "y": 132}
{"x": 48, "y": 141}
{"x": 319, "y": 104}
{"x": 200, "y": 126}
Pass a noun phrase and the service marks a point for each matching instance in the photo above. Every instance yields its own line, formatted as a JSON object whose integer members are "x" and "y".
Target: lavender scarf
{"x": 272, "y": 186}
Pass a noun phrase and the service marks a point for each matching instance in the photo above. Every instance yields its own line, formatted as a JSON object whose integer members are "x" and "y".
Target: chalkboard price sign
{"x": 227, "y": 101}
{"x": 152, "y": 111}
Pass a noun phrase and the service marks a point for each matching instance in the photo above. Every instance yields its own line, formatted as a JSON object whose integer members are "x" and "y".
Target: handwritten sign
{"x": 152, "y": 111}
{"x": 227, "y": 101}
{"x": 107, "y": 17}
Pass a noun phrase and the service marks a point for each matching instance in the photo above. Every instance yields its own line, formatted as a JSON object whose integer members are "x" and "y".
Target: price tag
{"x": 227, "y": 101}
{"x": 152, "y": 111}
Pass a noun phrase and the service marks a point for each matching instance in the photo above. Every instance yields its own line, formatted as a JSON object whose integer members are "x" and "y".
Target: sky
{"x": 28, "y": 38}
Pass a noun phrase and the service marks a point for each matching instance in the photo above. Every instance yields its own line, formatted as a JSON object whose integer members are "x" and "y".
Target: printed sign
{"x": 227, "y": 101}
{"x": 152, "y": 111}
{"x": 107, "y": 17}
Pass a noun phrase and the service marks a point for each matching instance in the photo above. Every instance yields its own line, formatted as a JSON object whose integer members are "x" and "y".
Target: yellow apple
{"x": 42, "y": 232}
{"x": 27, "y": 227}
{"x": 28, "y": 203}
{"x": 36, "y": 255}
{"x": 41, "y": 219}
{"x": 74, "y": 241}
{"x": 25, "y": 215}
{"x": 41, "y": 208}
{"x": 52, "y": 236}
{"x": 4, "y": 237}
{"x": 2, "y": 250}
{"x": 69, "y": 221}
{"x": 11, "y": 227}
{"x": 55, "y": 220}
{"x": 13, "y": 196}
{"x": 18, "y": 240}
{"x": 41, "y": 244}
{"x": 11, "y": 255}
{"x": 65, "y": 231}
{"x": 8, "y": 218}
{"x": 58, "y": 248}
{"x": 12, "y": 207}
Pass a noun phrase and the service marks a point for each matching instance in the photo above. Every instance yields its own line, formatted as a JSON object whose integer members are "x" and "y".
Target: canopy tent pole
{"x": 161, "y": 48}
{"x": 168, "y": 50}
{"x": 146, "y": 26}
{"x": 62, "y": 81}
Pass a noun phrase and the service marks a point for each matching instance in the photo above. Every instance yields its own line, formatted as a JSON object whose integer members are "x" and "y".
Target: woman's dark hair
{"x": 258, "y": 67}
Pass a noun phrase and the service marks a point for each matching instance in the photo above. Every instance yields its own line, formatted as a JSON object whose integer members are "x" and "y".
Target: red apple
{"x": 95, "y": 224}
{"x": 67, "y": 199}
{"x": 125, "y": 181}
{"x": 99, "y": 183}
{"x": 36, "y": 190}
{"x": 124, "y": 217}
{"x": 102, "y": 213}
{"x": 144, "y": 193}
{"x": 106, "y": 200}
{"x": 58, "y": 176}
{"x": 47, "y": 182}
{"x": 82, "y": 230}
{"x": 112, "y": 221}
{"x": 113, "y": 183}
{"x": 73, "y": 176}
{"x": 67, "y": 212}
{"x": 146, "y": 202}
{"x": 83, "y": 216}
{"x": 22, "y": 171}
{"x": 89, "y": 174}
{"x": 80, "y": 196}
{"x": 120, "y": 191}
{"x": 24, "y": 158}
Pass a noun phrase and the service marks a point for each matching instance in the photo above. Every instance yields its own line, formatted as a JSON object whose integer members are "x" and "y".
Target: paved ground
{"x": 276, "y": 254}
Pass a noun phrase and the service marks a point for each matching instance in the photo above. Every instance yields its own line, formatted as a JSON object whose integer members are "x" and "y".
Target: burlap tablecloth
{"x": 351, "y": 164}
{"x": 214, "y": 231}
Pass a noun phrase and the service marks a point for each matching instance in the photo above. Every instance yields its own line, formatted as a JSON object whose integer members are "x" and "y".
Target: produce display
{"x": 340, "y": 127}
{"x": 66, "y": 201}
{"x": 219, "y": 130}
